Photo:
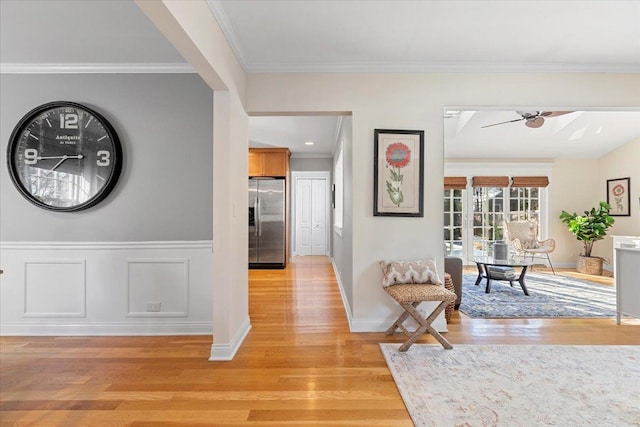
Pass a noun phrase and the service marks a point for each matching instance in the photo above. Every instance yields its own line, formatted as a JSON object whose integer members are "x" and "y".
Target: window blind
{"x": 490, "y": 181}
{"x": 529, "y": 181}
{"x": 455, "y": 182}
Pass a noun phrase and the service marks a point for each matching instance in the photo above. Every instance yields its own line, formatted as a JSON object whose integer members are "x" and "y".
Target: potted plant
{"x": 589, "y": 228}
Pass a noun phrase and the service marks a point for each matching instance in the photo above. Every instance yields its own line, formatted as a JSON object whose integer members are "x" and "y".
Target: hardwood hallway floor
{"x": 299, "y": 365}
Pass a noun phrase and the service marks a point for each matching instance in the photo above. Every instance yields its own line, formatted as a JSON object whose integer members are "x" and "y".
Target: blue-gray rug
{"x": 549, "y": 296}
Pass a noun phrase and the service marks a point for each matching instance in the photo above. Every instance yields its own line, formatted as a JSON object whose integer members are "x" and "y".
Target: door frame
{"x": 295, "y": 175}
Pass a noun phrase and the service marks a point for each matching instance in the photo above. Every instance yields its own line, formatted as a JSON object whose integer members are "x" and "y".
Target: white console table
{"x": 627, "y": 274}
{"x": 623, "y": 242}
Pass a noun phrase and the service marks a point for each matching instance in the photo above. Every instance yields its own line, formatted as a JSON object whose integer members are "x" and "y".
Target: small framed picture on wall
{"x": 619, "y": 197}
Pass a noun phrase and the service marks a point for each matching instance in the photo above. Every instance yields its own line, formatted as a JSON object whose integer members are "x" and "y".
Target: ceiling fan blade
{"x": 535, "y": 122}
{"x": 502, "y": 123}
{"x": 554, "y": 113}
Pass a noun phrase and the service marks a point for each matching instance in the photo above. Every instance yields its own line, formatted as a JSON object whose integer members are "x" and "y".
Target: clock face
{"x": 64, "y": 156}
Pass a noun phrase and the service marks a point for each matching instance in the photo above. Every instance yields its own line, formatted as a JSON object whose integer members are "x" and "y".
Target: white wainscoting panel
{"x": 164, "y": 282}
{"x": 103, "y": 288}
{"x": 54, "y": 288}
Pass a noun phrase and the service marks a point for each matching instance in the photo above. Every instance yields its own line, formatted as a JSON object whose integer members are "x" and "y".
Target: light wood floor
{"x": 299, "y": 365}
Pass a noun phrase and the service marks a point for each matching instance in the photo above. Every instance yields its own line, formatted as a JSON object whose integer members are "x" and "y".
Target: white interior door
{"x": 311, "y": 215}
{"x": 318, "y": 216}
{"x": 303, "y": 216}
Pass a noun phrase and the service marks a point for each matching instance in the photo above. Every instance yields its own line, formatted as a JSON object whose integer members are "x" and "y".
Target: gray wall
{"x": 165, "y": 189}
{"x": 343, "y": 245}
{"x": 311, "y": 164}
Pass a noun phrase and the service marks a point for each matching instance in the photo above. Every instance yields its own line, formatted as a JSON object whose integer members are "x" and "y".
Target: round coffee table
{"x": 484, "y": 272}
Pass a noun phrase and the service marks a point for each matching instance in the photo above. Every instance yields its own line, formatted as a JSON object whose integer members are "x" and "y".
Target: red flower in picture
{"x": 617, "y": 190}
{"x": 398, "y": 155}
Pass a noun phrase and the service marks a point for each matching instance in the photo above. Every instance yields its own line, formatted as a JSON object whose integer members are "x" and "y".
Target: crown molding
{"x": 370, "y": 67}
{"x": 227, "y": 29}
{"x": 95, "y": 68}
{"x": 441, "y": 67}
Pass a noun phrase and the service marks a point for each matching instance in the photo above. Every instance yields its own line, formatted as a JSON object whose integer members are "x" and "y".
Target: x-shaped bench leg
{"x": 399, "y": 322}
{"x": 425, "y": 324}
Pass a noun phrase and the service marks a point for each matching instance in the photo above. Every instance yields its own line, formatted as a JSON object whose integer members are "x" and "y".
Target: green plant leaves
{"x": 591, "y": 226}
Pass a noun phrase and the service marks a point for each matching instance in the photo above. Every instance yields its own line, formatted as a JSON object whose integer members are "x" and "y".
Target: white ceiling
{"x": 447, "y": 36}
{"x": 80, "y": 32}
{"x": 293, "y": 131}
{"x": 433, "y": 35}
{"x": 578, "y": 135}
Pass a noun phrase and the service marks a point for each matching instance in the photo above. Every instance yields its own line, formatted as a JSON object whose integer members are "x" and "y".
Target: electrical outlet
{"x": 154, "y": 306}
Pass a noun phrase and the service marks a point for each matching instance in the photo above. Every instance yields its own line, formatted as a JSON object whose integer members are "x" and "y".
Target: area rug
{"x": 549, "y": 296}
{"x": 514, "y": 385}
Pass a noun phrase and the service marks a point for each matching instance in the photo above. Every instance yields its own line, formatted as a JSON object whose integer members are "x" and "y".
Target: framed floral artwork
{"x": 619, "y": 197}
{"x": 398, "y": 173}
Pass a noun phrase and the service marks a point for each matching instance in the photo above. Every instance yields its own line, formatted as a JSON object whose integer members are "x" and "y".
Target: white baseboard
{"x": 106, "y": 329}
{"x": 607, "y": 267}
{"x": 226, "y": 352}
{"x": 381, "y": 325}
{"x": 343, "y": 295}
{"x": 565, "y": 265}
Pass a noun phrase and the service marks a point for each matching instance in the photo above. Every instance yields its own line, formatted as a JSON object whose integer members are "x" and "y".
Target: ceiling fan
{"x": 533, "y": 119}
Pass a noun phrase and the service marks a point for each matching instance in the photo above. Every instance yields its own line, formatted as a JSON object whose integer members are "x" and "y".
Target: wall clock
{"x": 64, "y": 156}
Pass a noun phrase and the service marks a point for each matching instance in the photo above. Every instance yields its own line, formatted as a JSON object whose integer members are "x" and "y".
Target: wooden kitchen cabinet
{"x": 255, "y": 163}
{"x": 269, "y": 161}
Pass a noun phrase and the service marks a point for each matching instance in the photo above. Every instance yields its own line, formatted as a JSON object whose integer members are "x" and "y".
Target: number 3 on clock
{"x": 103, "y": 158}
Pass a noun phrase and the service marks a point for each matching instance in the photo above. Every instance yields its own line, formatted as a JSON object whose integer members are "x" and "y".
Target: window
{"x": 488, "y": 218}
{"x": 453, "y": 214}
{"x": 475, "y": 214}
{"x": 524, "y": 204}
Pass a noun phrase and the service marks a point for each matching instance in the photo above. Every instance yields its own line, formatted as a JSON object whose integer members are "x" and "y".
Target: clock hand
{"x": 62, "y": 159}
{"x": 79, "y": 156}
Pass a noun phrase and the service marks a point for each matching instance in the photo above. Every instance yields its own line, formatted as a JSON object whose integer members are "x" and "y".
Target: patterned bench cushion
{"x": 404, "y": 272}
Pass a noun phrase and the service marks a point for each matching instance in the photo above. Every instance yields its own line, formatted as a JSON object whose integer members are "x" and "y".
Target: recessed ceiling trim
{"x": 227, "y": 29}
{"x": 441, "y": 67}
{"x": 94, "y": 68}
{"x": 298, "y": 113}
{"x": 311, "y": 155}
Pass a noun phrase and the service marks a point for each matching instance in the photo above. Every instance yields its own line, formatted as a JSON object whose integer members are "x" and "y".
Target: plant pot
{"x": 589, "y": 265}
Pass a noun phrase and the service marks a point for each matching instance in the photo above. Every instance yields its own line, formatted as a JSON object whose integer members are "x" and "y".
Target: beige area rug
{"x": 518, "y": 385}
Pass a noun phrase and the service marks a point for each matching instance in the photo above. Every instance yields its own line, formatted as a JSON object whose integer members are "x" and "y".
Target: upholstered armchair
{"x": 523, "y": 238}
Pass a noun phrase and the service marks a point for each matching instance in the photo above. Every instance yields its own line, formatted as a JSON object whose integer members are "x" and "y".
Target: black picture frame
{"x": 619, "y": 196}
{"x": 398, "y": 173}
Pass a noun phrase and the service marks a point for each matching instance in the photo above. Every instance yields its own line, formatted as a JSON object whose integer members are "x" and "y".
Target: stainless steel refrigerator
{"x": 266, "y": 223}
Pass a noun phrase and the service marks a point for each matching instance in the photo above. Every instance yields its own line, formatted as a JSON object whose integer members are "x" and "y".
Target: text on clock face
{"x": 68, "y": 139}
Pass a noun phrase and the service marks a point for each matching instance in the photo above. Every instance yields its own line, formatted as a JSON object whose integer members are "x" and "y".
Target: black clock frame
{"x": 26, "y": 121}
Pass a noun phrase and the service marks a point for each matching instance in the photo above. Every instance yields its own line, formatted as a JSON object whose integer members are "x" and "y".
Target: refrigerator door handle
{"x": 258, "y": 219}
